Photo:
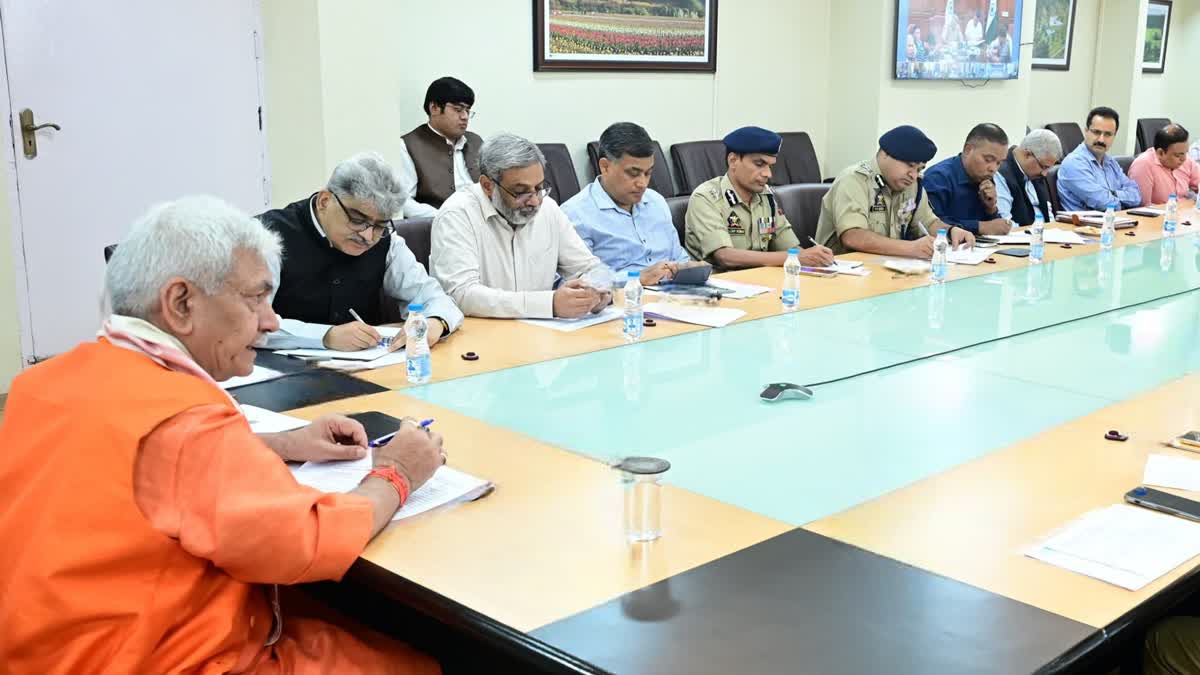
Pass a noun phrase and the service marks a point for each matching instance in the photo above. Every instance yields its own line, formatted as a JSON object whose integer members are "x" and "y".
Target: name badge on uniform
{"x": 734, "y": 224}
{"x": 878, "y": 204}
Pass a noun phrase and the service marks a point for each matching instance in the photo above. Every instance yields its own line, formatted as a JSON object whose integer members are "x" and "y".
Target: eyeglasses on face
{"x": 360, "y": 223}
{"x": 525, "y": 196}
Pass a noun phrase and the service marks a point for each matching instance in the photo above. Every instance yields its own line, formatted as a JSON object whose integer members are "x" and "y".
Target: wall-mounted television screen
{"x": 958, "y": 39}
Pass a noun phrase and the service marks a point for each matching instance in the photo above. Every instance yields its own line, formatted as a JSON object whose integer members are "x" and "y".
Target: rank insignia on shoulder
{"x": 731, "y": 197}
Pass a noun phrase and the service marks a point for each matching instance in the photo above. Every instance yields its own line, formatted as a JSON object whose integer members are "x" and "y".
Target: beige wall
{"x": 10, "y": 333}
{"x": 1066, "y": 96}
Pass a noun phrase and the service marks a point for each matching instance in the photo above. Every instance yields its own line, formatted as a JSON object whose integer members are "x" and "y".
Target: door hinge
{"x": 260, "y": 118}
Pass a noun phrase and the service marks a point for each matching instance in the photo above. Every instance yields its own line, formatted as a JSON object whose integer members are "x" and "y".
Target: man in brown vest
{"x": 440, "y": 156}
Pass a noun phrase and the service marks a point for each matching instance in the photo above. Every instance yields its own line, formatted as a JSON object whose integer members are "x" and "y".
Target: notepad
{"x": 263, "y": 421}
{"x": 447, "y": 485}
{"x": 1127, "y": 546}
{"x": 605, "y": 315}
{"x": 970, "y": 256}
{"x": 907, "y": 266}
{"x": 1173, "y": 472}
{"x": 715, "y": 317}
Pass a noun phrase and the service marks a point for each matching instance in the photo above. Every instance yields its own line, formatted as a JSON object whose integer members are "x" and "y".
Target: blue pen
{"x": 383, "y": 440}
{"x": 383, "y": 341}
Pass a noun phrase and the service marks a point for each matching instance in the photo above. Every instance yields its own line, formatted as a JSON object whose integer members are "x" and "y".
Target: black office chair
{"x": 1125, "y": 161}
{"x": 660, "y": 177}
{"x": 696, "y": 162}
{"x": 678, "y": 206}
{"x": 1052, "y": 185}
{"x": 560, "y": 171}
{"x": 801, "y": 204}
{"x": 1069, "y": 134}
{"x": 1146, "y": 129}
{"x": 797, "y": 161}
{"x": 417, "y": 234}
{"x": 108, "y": 252}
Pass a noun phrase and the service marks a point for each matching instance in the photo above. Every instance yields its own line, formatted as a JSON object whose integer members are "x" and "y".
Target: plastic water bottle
{"x": 1109, "y": 229}
{"x": 1171, "y": 219}
{"x": 940, "y": 246}
{"x": 1037, "y": 243}
{"x": 791, "y": 281}
{"x": 416, "y": 356}
{"x": 633, "y": 308}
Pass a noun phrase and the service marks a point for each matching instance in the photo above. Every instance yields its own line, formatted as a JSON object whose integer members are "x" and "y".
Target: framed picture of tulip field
{"x": 625, "y": 35}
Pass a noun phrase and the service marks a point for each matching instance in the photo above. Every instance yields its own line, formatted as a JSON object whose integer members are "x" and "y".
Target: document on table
{"x": 740, "y": 291}
{"x": 610, "y": 313}
{"x": 1053, "y": 235}
{"x": 395, "y": 358}
{"x": 447, "y": 485}
{"x": 850, "y": 267}
{"x": 360, "y": 355}
{"x": 715, "y": 317}
{"x": 263, "y": 421}
{"x": 1172, "y": 472}
{"x": 968, "y": 256}
{"x": 259, "y": 374}
{"x": 1124, "y": 545}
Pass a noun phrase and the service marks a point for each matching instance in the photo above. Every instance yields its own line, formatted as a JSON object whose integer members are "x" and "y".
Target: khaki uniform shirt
{"x": 859, "y": 197}
{"x": 717, "y": 218}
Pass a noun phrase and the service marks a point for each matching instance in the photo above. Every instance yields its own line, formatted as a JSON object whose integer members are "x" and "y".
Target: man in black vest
{"x": 440, "y": 157}
{"x": 1022, "y": 190}
{"x": 341, "y": 257}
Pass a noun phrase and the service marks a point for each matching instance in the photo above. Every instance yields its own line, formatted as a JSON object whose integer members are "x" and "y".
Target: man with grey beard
{"x": 499, "y": 246}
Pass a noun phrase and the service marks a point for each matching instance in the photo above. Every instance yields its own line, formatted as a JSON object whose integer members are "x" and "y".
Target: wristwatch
{"x": 445, "y": 326}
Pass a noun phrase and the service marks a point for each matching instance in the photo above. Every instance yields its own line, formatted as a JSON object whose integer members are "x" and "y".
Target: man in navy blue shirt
{"x": 961, "y": 188}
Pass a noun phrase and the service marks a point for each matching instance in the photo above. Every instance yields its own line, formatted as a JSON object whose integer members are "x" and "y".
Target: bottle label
{"x": 791, "y": 297}
{"x": 419, "y": 368}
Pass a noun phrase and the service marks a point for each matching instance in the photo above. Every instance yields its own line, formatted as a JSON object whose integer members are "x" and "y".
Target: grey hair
{"x": 508, "y": 151}
{"x": 366, "y": 176}
{"x": 195, "y": 238}
{"x": 1043, "y": 143}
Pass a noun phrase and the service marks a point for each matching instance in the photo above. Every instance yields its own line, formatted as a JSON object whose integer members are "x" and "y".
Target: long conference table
{"x": 878, "y": 527}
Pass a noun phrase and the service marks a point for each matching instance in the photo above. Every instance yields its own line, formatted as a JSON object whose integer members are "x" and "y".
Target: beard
{"x": 515, "y": 217}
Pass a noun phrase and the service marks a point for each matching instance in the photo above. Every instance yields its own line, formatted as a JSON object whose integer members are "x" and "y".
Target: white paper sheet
{"x": 1173, "y": 472}
{"x": 610, "y": 313}
{"x": 259, "y": 374}
{"x": 1124, "y": 545}
{"x": 263, "y": 421}
{"x": 715, "y": 317}
{"x": 851, "y": 267}
{"x": 396, "y": 358}
{"x": 447, "y": 485}
{"x": 360, "y": 355}
{"x": 1054, "y": 235}
{"x": 968, "y": 256}
{"x": 740, "y": 290}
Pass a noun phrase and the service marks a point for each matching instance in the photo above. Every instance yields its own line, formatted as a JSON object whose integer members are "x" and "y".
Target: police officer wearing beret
{"x": 880, "y": 206}
{"x": 734, "y": 221}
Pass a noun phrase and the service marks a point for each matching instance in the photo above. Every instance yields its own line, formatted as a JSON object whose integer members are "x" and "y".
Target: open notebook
{"x": 447, "y": 486}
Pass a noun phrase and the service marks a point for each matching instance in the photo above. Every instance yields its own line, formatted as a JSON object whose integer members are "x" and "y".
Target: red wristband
{"x": 397, "y": 480}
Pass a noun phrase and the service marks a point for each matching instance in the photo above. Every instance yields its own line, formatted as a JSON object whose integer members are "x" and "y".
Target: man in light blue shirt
{"x": 625, "y": 223}
{"x": 1089, "y": 179}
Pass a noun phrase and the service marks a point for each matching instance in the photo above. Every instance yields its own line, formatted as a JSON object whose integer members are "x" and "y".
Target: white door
{"x": 155, "y": 100}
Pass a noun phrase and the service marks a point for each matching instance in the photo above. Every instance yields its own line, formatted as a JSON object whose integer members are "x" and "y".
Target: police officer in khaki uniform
{"x": 734, "y": 221}
{"x": 879, "y": 206}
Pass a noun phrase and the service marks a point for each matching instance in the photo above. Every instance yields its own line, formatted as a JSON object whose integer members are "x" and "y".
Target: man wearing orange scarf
{"x": 146, "y": 528}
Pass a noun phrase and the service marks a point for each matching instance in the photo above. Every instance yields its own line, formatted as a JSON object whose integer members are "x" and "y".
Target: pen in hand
{"x": 386, "y": 438}
{"x": 384, "y": 341}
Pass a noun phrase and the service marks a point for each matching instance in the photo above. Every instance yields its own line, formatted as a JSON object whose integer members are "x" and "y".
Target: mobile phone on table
{"x": 1015, "y": 252}
{"x": 1165, "y": 502}
{"x": 1191, "y": 439}
{"x": 375, "y": 423}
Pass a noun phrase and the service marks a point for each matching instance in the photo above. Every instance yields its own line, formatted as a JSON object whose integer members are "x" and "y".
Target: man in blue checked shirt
{"x": 625, "y": 223}
{"x": 1089, "y": 178}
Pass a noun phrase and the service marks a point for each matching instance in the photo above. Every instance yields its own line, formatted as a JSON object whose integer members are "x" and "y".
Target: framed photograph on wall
{"x": 646, "y": 35}
{"x": 1053, "y": 34}
{"x": 1158, "y": 25}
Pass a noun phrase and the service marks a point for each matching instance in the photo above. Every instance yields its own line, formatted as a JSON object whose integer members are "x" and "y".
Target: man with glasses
{"x": 1089, "y": 178}
{"x": 342, "y": 257}
{"x": 1022, "y": 190}
{"x": 440, "y": 157}
{"x": 500, "y": 246}
{"x": 962, "y": 189}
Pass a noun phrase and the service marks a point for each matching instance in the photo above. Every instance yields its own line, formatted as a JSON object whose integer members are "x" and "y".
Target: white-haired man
{"x": 145, "y": 527}
{"x": 1021, "y": 189}
{"x": 341, "y": 253}
{"x": 499, "y": 245}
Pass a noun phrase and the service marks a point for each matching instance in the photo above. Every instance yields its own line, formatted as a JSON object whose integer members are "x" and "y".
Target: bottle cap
{"x": 941, "y": 230}
{"x": 633, "y": 275}
{"x": 643, "y": 466}
{"x": 416, "y": 307}
{"x": 1112, "y": 206}
{"x": 1172, "y": 196}
{"x": 793, "y": 251}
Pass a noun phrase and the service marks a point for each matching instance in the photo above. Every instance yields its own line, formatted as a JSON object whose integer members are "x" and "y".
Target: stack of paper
{"x": 447, "y": 485}
{"x": 1127, "y": 546}
{"x": 1093, "y": 218}
{"x": 263, "y": 421}
{"x": 739, "y": 290}
{"x": 715, "y": 317}
{"x": 259, "y": 374}
{"x": 605, "y": 315}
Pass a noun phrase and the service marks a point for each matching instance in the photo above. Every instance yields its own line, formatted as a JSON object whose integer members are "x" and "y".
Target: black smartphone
{"x": 376, "y": 423}
{"x": 1165, "y": 502}
{"x": 695, "y": 275}
{"x": 1015, "y": 252}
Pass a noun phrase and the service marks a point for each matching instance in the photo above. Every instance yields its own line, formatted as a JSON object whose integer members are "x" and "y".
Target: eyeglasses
{"x": 1045, "y": 167}
{"x": 360, "y": 223}
{"x": 460, "y": 110}
{"x": 523, "y": 197}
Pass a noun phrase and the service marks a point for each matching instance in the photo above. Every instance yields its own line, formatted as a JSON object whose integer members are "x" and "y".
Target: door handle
{"x": 29, "y": 132}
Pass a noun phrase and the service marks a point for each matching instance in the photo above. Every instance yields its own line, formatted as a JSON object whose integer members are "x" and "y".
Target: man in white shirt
{"x": 440, "y": 157}
{"x": 499, "y": 245}
{"x": 342, "y": 257}
{"x": 974, "y": 33}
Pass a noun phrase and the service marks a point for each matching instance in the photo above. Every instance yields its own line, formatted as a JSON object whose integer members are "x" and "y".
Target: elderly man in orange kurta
{"x": 145, "y": 527}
